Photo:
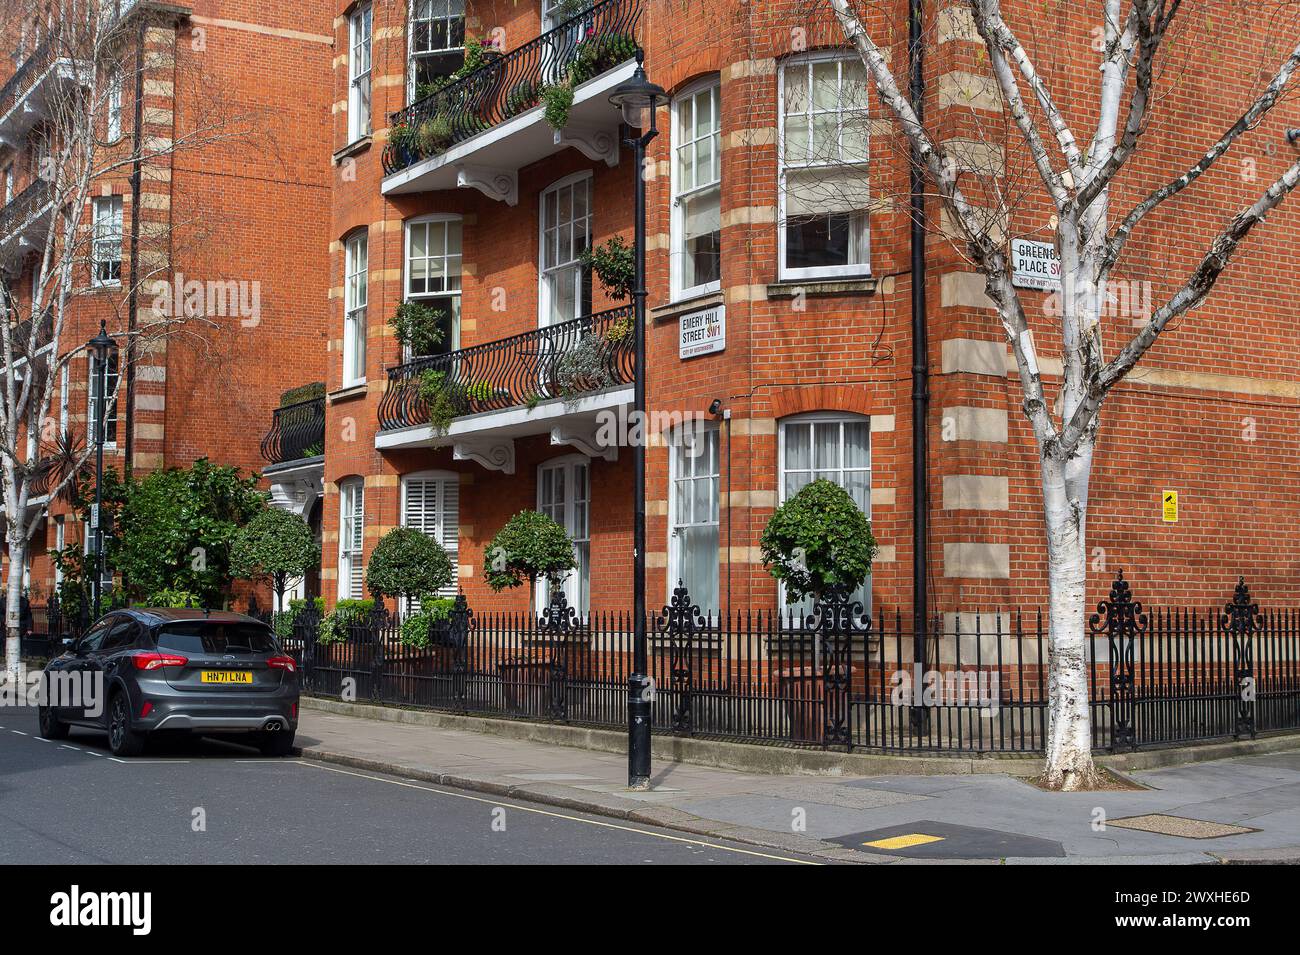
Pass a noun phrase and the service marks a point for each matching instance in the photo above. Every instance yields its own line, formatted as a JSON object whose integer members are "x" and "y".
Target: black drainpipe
{"x": 920, "y": 372}
{"x": 127, "y": 365}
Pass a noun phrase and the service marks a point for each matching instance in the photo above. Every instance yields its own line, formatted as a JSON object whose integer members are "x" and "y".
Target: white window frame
{"x": 352, "y": 536}
{"x": 448, "y": 261}
{"x": 60, "y": 542}
{"x": 110, "y": 394}
{"x": 675, "y": 441}
{"x": 412, "y": 54}
{"x": 824, "y": 417}
{"x": 861, "y": 269}
{"x": 360, "y": 37}
{"x": 105, "y": 238}
{"x": 447, "y": 531}
{"x": 356, "y": 297}
{"x": 113, "y": 108}
{"x": 678, "y": 221}
{"x": 577, "y": 586}
{"x": 544, "y": 296}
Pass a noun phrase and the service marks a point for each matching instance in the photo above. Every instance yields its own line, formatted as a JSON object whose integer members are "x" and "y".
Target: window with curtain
{"x": 431, "y": 505}
{"x": 355, "y": 296}
{"x": 693, "y": 516}
{"x": 433, "y": 276}
{"x": 359, "y": 73}
{"x": 697, "y": 192}
{"x": 437, "y": 32}
{"x": 836, "y": 447}
{"x": 823, "y": 189}
{"x": 352, "y": 527}
{"x": 564, "y": 495}
{"x": 565, "y": 235}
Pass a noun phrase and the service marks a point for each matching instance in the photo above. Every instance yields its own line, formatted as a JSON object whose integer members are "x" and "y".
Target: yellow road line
{"x": 556, "y": 815}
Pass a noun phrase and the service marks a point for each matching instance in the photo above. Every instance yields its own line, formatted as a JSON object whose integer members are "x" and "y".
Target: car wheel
{"x": 122, "y": 739}
{"x": 278, "y": 743}
{"x": 51, "y": 726}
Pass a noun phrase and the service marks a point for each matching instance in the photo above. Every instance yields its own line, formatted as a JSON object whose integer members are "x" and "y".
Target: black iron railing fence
{"x": 558, "y": 361}
{"x": 297, "y": 431}
{"x": 584, "y": 46}
{"x": 23, "y": 208}
{"x": 836, "y": 678}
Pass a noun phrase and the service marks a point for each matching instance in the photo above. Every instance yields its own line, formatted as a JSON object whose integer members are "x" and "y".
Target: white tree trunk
{"x": 1069, "y": 733}
{"x": 13, "y": 601}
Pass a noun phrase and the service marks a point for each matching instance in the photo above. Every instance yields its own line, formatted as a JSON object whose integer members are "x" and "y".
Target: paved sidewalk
{"x": 975, "y": 818}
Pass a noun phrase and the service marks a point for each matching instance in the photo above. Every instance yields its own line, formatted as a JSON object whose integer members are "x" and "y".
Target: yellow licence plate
{"x": 225, "y": 676}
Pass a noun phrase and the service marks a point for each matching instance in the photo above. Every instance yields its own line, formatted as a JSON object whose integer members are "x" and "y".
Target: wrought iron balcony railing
{"x": 24, "y": 207}
{"x": 559, "y": 361}
{"x": 582, "y": 47}
{"x": 297, "y": 431}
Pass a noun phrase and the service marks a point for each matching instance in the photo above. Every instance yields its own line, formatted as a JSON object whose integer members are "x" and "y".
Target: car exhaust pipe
{"x": 274, "y": 726}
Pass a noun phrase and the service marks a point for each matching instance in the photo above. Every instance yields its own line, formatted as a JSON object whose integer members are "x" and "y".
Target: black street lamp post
{"x": 100, "y": 346}
{"x": 639, "y": 99}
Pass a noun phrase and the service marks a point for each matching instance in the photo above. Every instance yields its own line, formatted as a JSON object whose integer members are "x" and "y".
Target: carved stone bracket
{"x": 499, "y": 184}
{"x": 584, "y": 439}
{"x": 497, "y": 455}
{"x": 593, "y": 142}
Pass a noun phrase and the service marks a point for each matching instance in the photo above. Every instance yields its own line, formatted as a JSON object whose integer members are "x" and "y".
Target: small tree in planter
{"x": 418, "y": 327}
{"x": 407, "y": 563}
{"x": 276, "y": 546}
{"x": 817, "y": 540}
{"x": 529, "y": 546}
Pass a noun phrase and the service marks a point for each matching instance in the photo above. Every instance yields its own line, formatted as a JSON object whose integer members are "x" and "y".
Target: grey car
{"x": 142, "y": 671}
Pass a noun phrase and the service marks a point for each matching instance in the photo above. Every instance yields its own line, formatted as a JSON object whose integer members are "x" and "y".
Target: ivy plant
{"x": 818, "y": 539}
{"x": 443, "y": 399}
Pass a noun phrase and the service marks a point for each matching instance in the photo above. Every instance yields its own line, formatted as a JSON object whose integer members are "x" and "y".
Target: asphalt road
{"x": 204, "y": 801}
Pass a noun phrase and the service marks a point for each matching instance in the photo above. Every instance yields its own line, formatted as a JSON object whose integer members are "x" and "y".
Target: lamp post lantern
{"x": 99, "y": 346}
{"x": 639, "y": 100}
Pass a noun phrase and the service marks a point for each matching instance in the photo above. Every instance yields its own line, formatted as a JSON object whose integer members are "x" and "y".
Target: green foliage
{"x": 169, "y": 597}
{"x": 529, "y": 546}
{"x": 417, "y": 628}
{"x": 583, "y": 368}
{"x": 558, "y": 100}
{"x": 74, "y": 563}
{"x": 817, "y": 539}
{"x": 176, "y": 528}
{"x": 614, "y": 263}
{"x": 333, "y": 627}
{"x": 418, "y": 327}
{"x": 302, "y": 393}
{"x": 443, "y": 398}
{"x": 407, "y": 563}
{"x": 524, "y": 95}
{"x": 596, "y": 54}
{"x": 276, "y": 546}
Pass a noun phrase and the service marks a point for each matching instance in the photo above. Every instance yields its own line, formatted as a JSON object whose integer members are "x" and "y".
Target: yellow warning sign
{"x": 1170, "y": 507}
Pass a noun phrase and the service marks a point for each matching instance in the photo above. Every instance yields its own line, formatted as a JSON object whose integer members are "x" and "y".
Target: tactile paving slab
{"x": 1166, "y": 825}
{"x": 945, "y": 840}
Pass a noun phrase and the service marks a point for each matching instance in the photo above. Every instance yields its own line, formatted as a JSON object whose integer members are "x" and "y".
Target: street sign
{"x": 1169, "y": 507}
{"x": 1035, "y": 265}
{"x": 702, "y": 332}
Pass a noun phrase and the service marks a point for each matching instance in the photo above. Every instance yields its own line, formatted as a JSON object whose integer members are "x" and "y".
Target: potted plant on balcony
{"x": 529, "y": 547}
{"x": 418, "y": 327}
{"x": 444, "y": 399}
{"x": 816, "y": 540}
{"x": 582, "y": 369}
{"x": 434, "y": 135}
{"x": 614, "y": 264}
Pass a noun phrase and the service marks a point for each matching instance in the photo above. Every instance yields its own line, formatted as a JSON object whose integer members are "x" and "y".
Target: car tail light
{"x": 293, "y": 711}
{"x": 146, "y": 709}
{"x": 154, "y": 660}
{"x": 282, "y": 662}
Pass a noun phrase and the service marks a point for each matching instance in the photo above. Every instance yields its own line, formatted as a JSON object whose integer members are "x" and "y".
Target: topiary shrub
{"x": 818, "y": 539}
{"x": 407, "y": 563}
{"x": 173, "y": 598}
{"x": 277, "y": 546}
{"x": 529, "y": 546}
{"x": 418, "y": 629}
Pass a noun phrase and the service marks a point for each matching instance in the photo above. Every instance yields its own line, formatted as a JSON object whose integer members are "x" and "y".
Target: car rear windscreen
{"x": 212, "y": 636}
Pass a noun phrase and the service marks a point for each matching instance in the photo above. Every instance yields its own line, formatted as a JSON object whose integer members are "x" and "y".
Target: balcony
{"x": 480, "y": 130}
{"x": 295, "y": 448}
{"x": 29, "y": 95}
{"x": 23, "y": 221}
{"x": 557, "y": 379}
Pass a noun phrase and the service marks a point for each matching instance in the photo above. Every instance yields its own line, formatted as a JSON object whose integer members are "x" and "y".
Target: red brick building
{"x": 232, "y": 201}
{"x": 780, "y": 295}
